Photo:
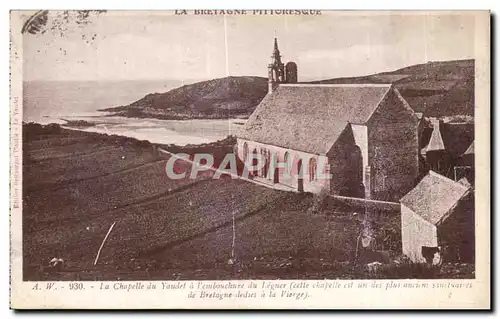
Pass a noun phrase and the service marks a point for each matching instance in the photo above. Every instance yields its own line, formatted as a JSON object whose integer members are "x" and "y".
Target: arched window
{"x": 265, "y": 167}
{"x": 254, "y": 162}
{"x": 275, "y": 75}
{"x": 300, "y": 179}
{"x": 287, "y": 161}
{"x": 312, "y": 169}
{"x": 268, "y": 162}
{"x": 245, "y": 152}
{"x": 263, "y": 163}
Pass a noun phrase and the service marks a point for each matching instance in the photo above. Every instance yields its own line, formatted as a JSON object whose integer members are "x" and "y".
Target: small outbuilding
{"x": 466, "y": 166}
{"x": 446, "y": 148}
{"x": 438, "y": 214}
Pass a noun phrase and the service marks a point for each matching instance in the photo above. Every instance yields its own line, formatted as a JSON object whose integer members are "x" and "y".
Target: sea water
{"x": 47, "y": 102}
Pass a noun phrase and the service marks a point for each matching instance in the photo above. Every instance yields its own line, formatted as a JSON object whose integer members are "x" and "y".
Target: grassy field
{"x": 76, "y": 185}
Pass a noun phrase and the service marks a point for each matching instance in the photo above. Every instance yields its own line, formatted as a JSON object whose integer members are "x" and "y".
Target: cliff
{"x": 229, "y": 97}
{"x": 436, "y": 89}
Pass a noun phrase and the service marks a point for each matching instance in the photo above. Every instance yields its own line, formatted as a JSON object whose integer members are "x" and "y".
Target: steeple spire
{"x": 276, "y": 57}
{"x": 276, "y": 68}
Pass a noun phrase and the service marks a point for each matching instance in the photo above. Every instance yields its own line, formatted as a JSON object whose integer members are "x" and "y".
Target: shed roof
{"x": 311, "y": 117}
{"x": 434, "y": 197}
{"x": 470, "y": 150}
{"x": 454, "y": 137}
{"x": 457, "y": 137}
{"x": 436, "y": 141}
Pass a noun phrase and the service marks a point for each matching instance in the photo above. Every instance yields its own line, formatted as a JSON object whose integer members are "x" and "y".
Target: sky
{"x": 160, "y": 45}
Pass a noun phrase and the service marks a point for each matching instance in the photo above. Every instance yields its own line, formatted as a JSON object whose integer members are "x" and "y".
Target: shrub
{"x": 320, "y": 200}
{"x": 388, "y": 232}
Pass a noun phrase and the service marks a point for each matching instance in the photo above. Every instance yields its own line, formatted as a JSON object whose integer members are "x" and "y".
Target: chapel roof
{"x": 311, "y": 117}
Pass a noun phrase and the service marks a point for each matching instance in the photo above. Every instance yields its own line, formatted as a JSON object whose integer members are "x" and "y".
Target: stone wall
{"x": 415, "y": 233}
{"x": 457, "y": 233}
{"x": 291, "y": 180}
{"x": 346, "y": 166}
{"x": 393, "y": 149}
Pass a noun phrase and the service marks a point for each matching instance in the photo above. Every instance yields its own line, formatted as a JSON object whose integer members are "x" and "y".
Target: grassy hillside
{"x": 76, "y": 184}
{"x": 437, "y": 89}
{"x": 229, "y": 97}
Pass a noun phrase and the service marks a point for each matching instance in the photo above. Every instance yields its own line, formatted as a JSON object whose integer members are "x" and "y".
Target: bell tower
{"x": 276, "y": 68}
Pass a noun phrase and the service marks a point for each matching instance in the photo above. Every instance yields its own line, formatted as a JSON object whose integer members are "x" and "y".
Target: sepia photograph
{"x": 229, "y": 145}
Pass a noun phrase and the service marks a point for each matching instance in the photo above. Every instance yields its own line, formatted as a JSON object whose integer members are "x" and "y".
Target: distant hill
{"x": 436, "y": 89}
{"x": 229, "y": 97}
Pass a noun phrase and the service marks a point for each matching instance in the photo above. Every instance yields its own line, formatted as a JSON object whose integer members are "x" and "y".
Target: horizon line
{"x": 194, "y": 80}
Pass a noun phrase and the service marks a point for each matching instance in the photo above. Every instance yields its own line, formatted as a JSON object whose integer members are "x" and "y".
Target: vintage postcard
{"x": 250, "y": 159}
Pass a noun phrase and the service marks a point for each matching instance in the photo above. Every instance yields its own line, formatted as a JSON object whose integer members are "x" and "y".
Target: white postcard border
{"x": 24, "y": 296}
